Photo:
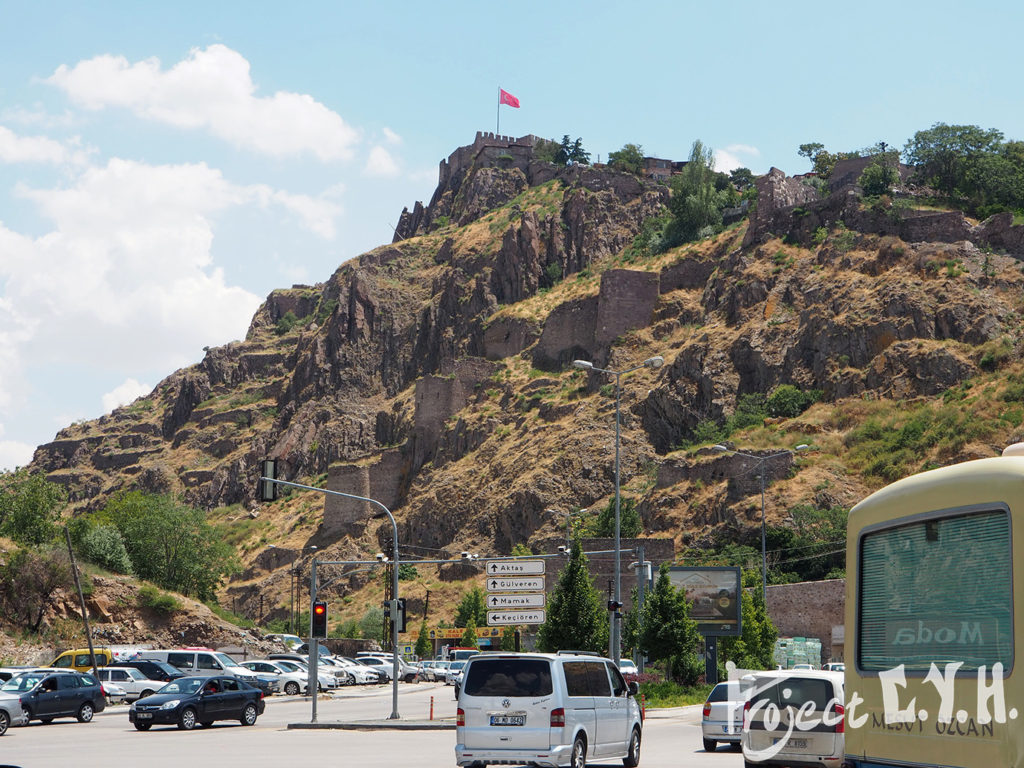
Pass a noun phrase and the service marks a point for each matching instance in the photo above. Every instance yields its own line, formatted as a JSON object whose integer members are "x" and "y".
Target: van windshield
{"x": 508, "y": 677}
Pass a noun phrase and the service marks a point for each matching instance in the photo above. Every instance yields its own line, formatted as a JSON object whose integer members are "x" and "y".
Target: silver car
{"x": 722, "y": 719}
{"x": 11, "y": 713}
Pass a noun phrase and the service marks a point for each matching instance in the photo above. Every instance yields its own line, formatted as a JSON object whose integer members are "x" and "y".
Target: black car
{"x": 189, "y": 701}
{"x": 154, "y": 670}
{"x": 48, "y": 695}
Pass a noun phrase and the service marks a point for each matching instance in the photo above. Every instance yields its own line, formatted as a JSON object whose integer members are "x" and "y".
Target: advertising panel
{"x": 714, "y": 596}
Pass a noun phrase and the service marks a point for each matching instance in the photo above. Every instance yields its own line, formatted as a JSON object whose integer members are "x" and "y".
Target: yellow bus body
{"x": 996, "y": 483}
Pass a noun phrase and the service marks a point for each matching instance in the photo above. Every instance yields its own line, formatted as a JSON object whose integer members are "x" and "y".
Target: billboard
{"x": 714, "y": 596}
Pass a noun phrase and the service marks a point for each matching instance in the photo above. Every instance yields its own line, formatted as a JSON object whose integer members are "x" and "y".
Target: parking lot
{"x": 671, "y": 737}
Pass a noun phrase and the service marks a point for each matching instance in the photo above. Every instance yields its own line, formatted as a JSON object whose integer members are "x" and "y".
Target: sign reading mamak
{"x": 924, "y": 632}
{"x": 515, "y": 567}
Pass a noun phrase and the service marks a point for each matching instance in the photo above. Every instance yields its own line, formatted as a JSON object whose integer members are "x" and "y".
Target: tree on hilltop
{"x": 630, "y": 159}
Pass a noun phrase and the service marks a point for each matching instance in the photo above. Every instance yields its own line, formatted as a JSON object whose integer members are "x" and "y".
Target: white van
{"x": 201, "y": 662}
{"x": 546, "y": 710}
{"x": 794, "y": 717}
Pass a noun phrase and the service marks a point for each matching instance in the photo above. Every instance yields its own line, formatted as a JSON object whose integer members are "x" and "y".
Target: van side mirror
{"x": 633, "y": 688}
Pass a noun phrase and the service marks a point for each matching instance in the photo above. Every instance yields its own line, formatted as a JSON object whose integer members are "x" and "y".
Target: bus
{"x": 931, "y": 675}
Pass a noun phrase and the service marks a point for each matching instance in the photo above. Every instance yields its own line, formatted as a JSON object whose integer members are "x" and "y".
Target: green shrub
{"x": 820, "y": 235}
{"x": 161, "y": 602}
{"x": 287, "y": 322}
{"x": 104, "y": 546}
{"x": 788, "y": 401}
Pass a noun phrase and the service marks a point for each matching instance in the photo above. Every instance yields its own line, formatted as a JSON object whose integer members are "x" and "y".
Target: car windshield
{"x": 184, "y": 685}
{"x": 226, "y": 660}
{"x": 23, "y": 682}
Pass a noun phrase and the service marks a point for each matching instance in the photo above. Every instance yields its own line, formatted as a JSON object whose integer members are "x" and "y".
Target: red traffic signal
{"x": 318, "y": 620}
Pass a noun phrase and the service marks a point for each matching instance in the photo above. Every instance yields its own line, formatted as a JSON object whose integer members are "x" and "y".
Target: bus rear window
{"x": 508, "y": 677}
{"x": 935, "y": 591}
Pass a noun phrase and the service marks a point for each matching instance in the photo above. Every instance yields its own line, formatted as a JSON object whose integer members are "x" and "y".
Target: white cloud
{"x": 211, "y": 89}
{"x": 14, "y": 454}
{"x": 34, "y": 149}
{"x": 123, "y": 394}
{"x": 728, "y": 159}
{"x": 391, "y": 137}
{"x": 381, "y": 163}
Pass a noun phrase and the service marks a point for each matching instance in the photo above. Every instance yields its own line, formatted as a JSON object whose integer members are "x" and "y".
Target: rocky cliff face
{"x": 434, "y": 373}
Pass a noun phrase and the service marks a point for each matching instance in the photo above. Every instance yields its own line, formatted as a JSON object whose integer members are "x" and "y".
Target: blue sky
{"x": 163, "y": 167}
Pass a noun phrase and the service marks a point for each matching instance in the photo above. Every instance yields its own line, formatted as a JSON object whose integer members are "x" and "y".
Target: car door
{"x": 233, "y": 698}
{"x": 212, "y": 700}
{"x": 605, "y": 709}
{"x": 46, "y": 700}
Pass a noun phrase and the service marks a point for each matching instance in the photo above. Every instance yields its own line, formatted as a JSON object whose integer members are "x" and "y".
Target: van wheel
{"x": 709, "y": 745}
{"x": 85, "y": 713}
{"x": 632, "y": 758}
{"x": 579, "y": 753}
{"x": 735, "y": 746}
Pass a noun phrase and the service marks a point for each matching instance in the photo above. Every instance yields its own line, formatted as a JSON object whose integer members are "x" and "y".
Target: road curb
{"x": 376, "y": 725}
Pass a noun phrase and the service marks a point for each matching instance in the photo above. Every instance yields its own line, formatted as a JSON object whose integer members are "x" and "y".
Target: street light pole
{"x": 394, "y": 579}
{"x": 614, "y": 643}
{"x": 762, "y": 462}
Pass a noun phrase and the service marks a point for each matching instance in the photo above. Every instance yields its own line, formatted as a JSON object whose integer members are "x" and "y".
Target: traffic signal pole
{"x": 394, "y": 578}
{"x": 313, "y": 681}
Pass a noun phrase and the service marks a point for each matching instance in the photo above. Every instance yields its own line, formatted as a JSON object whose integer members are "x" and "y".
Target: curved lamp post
{"x": 762, "y": 460}
{"x": 651, "y": 362}
{"x": 394, "y": 582}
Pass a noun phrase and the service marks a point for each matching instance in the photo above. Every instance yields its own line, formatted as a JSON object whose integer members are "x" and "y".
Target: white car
{"x": 11, "y": 713}
{"x": 135, "y": 684}
{"x": 406, "y": 671}
{"x": 361, "y": 674}
{"x": 325, "y": 680}
{"x": 290, "y": 682}
{"x": 454, "y": 672}
{"x": 115, "y": 693}
{"x": 722, "y": 718}
{"x": 539, "y": 708}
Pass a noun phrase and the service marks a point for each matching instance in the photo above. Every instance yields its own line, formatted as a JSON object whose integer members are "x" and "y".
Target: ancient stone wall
{"x": 809, "y": 609}
{"x": 627, "y": 299}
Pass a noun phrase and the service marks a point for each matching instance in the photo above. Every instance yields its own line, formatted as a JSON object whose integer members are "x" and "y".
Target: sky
{"x": 165, "y": 166}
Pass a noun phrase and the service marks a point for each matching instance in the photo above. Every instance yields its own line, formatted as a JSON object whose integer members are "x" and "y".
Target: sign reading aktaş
{"x": 520, "y": 584}
{"x": 497, "y": 618}
{"x": 534, "y": 600}
{"x": 515, "y": 567}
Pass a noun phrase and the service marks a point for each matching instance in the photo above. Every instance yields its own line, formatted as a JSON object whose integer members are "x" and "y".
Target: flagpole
{"x": 497, "y": 122}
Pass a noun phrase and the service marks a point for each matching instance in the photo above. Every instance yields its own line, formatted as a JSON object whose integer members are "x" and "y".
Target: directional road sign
{"x": 515, "y": 567}
{"x": 497, "y": 618}
{"x": 535, "y": 600}
{"x": 517, "y": 584}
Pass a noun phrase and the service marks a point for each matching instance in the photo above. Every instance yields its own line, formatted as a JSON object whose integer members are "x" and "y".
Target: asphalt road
{"x": 671, "y": 737}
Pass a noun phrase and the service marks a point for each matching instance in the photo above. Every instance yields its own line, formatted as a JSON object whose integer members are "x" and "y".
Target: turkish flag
{"x": 508, "y": 98}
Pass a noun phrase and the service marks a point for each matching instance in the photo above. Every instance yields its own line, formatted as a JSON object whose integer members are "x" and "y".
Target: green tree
{"x": 29, "y": 581}
{"x": 789, "y": 401}
{"x": 472, "y": 607}
{"x": 508, "y": 639}
{"x": 521, "y": 550}
{"x": 811, "y": 150}
{"x": 667, "y": 633}
{"x": 424, "y": 646}
{"x": 696, "y": 204}
{"x": 571, "y": 152}
{"x": 878, "y": 179}
{"x": 741, "y": 178}
{"x": 170, "y": 543}
{"x": 630, "y": 159}
{"x": 104, "y": 545}
{"x": 30, "y": 506}
{"x": 407, "y": 572}
{"x": 943, "y": 154}
{"x": 630, "y": 524}
{"x": 468, "y": 639}
{"x": 754, "y": 648}
{"x": 576, "y": 618}
{"x": 371, "y": 625}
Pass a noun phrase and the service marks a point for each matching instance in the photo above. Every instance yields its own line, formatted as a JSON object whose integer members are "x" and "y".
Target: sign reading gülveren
{"x": 518, "y": 584}
{"x": 515, "y": 567}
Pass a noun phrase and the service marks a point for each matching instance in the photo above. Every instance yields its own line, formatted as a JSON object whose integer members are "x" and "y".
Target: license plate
{"x": 727, "y": 729}
{"x": 143, "y": 715}
{"x": 508, "y": 719}
{"x": 793, "y": 743}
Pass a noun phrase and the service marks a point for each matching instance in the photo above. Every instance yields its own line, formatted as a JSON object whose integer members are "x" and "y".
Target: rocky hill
{"x": 434, "y": 373}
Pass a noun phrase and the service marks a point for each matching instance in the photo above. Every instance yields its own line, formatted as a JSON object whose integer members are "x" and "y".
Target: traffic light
{"x": 319, "y": 620}
{"x": 268, "y": 490}
{"x": 614, "y": 605}
{"x": 401, "y": 614}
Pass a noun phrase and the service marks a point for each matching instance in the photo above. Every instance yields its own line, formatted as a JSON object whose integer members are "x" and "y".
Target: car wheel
{"x": 5, "y": 721}
{"x": 291, "y": 688}
{"x": 145, "y": 693}
{"x": 709, "y": 745}
{"x": 187, "y": 719}
{"x": 735, "y": 746}
{"x": 46, "y": 720}
{"x": 249, "y": 715}
{"x": 143, "y": 726}
{"x": 85, "y": 712}
{"x": 632, "y": 758}
{"x": 579, "y": 753}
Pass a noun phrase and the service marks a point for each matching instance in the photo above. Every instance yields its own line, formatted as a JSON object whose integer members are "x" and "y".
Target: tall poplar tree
{"x": 576, "y": 617}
